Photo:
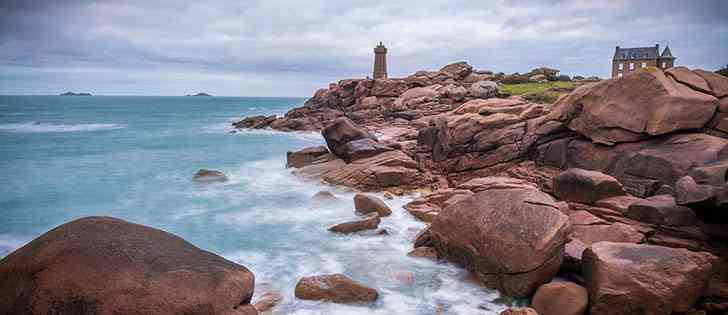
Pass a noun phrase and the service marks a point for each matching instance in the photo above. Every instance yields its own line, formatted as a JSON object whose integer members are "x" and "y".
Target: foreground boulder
{"x": 586, "y": 186}
{"x": 335, "y": 288}
{"x": 103, "y": 265}
{"x": 512, "y": 239}
{"x": 644, "y": 279}
{"x": 365, "y": 204}
{"x": 560, "y": 298}
{"x": 640, "y": 105}
{"x": 209, "y": 176}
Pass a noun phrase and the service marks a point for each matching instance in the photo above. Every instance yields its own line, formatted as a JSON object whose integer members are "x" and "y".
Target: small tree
{"x": 723, "y": 71}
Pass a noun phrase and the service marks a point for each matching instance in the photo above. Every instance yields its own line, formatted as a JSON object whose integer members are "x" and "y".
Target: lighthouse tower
{"x": 380, "y": 62}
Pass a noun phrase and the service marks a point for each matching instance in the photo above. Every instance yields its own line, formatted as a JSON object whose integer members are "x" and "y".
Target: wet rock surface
{"x": 103, "y": 265}
{"x": 336, "y": 288}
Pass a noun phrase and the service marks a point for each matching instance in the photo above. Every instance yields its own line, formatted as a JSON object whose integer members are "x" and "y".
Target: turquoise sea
{"x": 133, "y": 157}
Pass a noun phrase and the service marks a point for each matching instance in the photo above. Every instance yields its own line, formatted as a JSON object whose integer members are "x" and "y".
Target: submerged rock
{"x": 103, "y": 265}
{"x": 336, "y": 288}
{"x": 519, "y": 311}
{"x": 366, "y": 204}
{"x": 209, "y": 176}
{"x": 369, "y": 223}
{"x": 267, "y": 301}
{"x": 424, "y": 252}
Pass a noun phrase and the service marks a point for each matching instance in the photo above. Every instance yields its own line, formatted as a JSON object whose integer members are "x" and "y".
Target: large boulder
{"x": 335, "y": 288}
{"x": 103, "y": 265}
{"x": 339, "y": 133}
{"x": 643, "y": 279}
{"x": 363, "y": 148}
{"x": 458, "y": 70}
{"x": 417, "y": 95}
{"x": 586, "y": 186}
{"x": 642, "y": 104}
{"x": 483, "y": 89}
{"x": 512, "y": 239}
{"x": 661, "y": 210}
{"x": 560, "y": 298}
{"x": 366, "y": 204}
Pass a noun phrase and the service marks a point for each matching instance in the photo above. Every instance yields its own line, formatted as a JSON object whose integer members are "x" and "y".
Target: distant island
{"x": 75, "y": 94}
{"x": 199, "y": 94}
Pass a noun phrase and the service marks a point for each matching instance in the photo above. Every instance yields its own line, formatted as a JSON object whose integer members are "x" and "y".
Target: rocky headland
{"x": 612, "y": 200}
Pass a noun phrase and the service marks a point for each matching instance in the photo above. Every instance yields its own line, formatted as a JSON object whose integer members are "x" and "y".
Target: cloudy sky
{"x": 290, "y": 48}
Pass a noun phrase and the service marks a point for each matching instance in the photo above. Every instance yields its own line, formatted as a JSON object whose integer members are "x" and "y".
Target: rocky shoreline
{"x": 617, "y": 187}
{"x": 610, "y": 201}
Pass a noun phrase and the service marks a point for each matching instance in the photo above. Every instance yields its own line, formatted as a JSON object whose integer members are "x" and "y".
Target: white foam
{"x": 311, "y": 136}
{"x": 37, "y": 127}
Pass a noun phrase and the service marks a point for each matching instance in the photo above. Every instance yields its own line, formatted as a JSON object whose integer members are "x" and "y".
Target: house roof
{"x": 666, "y": 53}
{"x": 636, "y": 53}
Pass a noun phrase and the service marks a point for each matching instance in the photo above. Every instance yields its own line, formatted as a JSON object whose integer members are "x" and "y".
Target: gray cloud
{"x": 292, "y": 47}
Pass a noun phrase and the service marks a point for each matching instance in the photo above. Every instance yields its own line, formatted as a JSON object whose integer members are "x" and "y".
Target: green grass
{"x": 538, "y": 92}
{"x": 528, "y": 88}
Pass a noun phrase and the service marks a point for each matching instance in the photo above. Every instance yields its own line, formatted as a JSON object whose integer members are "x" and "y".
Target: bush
{"x": 723, "y": 71}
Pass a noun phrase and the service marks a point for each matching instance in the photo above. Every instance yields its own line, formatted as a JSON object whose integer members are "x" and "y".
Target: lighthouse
{"x": 380, "y": 62}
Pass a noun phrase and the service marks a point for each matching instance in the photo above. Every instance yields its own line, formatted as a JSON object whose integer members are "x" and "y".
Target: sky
{"x": 292, "y": 48}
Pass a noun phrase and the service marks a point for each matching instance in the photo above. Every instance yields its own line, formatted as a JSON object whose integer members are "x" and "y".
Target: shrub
{"x": 723, "y": 71}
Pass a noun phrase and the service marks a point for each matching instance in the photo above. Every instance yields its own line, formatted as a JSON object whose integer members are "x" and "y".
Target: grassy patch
{"x": 546, "y": 92}
{"x": 526, "y": 88}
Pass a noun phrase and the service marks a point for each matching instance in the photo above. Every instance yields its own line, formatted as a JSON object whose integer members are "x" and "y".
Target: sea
{"x": 65, "y": 157}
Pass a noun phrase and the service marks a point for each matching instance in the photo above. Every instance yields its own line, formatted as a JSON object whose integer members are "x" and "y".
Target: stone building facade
{"x": 628, "y": 60}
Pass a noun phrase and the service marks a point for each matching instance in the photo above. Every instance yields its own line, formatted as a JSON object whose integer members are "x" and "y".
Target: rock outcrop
{"x": 521, "y": 230}
{"x": 629, "y": 278}
{"x": 586, "y": 186}
{"x": 335, "y": 288}
{"x": 640, "y": 105}
{"x": 103, "y": 265}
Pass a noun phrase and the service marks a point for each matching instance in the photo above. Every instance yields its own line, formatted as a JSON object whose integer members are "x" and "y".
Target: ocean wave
{"x": 303, "y": 135}
{"x": 38, "y": 127}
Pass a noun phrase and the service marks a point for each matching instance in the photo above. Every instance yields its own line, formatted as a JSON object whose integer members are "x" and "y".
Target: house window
{"x": 664, "y": 65}
{"x": 620, "y": 75}
{"x": 644, "y": 65}
{"x": 631, "y": 66}
{"x": 621, "y": 66}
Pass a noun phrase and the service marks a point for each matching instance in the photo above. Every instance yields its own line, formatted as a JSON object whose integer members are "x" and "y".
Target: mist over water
{"x": 134, "y": 157}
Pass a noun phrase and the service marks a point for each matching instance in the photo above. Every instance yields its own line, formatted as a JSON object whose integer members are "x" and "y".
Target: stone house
{"x": 627, "y": 60}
